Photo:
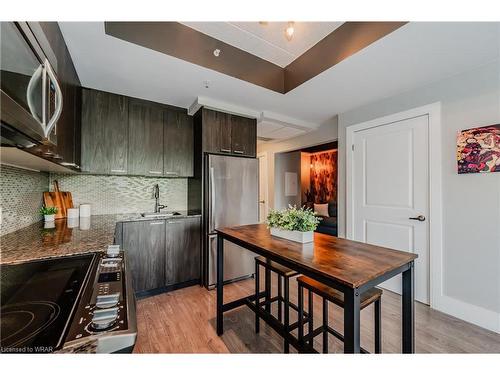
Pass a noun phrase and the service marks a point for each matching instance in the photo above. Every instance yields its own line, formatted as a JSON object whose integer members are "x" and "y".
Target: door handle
{"x": 418, "y": 218}
{"x": 59, "y": 100}
{"x": 262, "y": 201}
{"x": 29, "y": 92}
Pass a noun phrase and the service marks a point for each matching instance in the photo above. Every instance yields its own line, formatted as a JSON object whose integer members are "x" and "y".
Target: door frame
{"x": 433, "y": 111}
{"x": 266, "y": 187}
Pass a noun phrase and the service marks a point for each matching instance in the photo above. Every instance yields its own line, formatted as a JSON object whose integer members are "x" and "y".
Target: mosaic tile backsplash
{"x": 20, "y": 197}
{"x": 122, "y": 194}
{"x": 21, "y": 194}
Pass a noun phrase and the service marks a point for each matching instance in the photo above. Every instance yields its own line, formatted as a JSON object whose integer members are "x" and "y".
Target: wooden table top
{"x": 349, "y": 262}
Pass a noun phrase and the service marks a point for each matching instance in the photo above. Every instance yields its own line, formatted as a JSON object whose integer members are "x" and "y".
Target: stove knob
{"x": 105, "y": 301}
{"x": 104, "y": 319}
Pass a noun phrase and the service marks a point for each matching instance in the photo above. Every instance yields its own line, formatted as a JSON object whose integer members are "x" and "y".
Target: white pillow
{"x": 321, "y": 209}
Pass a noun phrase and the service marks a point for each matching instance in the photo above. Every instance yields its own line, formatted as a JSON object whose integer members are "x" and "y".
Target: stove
{"x": 73, "y": 304}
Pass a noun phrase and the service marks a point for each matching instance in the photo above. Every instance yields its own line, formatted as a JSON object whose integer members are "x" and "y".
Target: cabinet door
{"x": 216, "y": 131}
{"x": 178, "y": 144}
{"x": 145, "y": 138}
{"x": 144, "y": 244}
{"x": 183, "y": 250}
{"x": 243, "y": 135}
{"x": 104, "y": 132}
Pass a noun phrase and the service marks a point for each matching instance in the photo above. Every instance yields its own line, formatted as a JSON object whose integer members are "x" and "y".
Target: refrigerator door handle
{"x": 212, "y": 201}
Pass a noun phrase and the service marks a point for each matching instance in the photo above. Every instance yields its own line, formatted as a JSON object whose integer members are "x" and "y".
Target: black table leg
{"x": 220, "y": 284}
{"x": 351, "y": 321}
{"x": 257, "y": 299}
{"x": 409, "y": 310}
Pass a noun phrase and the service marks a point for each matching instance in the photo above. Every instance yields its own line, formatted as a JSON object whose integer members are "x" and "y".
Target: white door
{"x": 390, "y": 190}
{"x": 262, "y": 187}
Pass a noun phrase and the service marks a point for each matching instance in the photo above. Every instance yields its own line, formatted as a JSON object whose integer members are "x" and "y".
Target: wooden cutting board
{"x": 60, "y": 199}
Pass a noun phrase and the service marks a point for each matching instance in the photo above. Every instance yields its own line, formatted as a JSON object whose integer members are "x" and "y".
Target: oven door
{"x": 30, "y": 94}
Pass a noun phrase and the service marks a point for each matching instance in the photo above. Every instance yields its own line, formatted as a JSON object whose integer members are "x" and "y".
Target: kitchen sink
{"x": 160, "y": 214}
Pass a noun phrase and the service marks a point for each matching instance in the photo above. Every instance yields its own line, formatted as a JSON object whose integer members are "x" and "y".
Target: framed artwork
{"x": 478, "y": 150}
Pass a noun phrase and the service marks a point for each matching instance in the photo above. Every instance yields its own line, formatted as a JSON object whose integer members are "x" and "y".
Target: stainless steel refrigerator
{"x": 231, "y": 199}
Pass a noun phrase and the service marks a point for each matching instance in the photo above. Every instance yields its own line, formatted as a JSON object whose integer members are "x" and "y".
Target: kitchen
{"x": 141, "y": 219}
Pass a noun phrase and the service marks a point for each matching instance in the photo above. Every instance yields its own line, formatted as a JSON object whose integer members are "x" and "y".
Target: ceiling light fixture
{"x": 217, "y": 52}
{"x": 289, "y": 31}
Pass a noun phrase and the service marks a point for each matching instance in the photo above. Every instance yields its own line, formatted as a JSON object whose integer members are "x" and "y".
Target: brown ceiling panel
{"x": 183, "y": 42}
{"x": 343, "y": 42}
{"x": 175, "y": 39}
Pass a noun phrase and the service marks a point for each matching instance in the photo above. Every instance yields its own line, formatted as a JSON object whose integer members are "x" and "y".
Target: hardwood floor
{"x": 183, "y": 321}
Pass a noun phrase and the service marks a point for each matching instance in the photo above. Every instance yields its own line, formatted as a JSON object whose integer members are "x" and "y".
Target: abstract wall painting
{"x": 478, "y": 150}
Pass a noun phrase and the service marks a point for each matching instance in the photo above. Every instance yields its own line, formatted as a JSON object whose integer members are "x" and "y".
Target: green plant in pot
{"x": 295, "y": 224}
{"x": 49, "y": 213}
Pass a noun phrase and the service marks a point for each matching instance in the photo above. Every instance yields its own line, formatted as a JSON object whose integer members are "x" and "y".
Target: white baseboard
{"x": 470, "y": 313}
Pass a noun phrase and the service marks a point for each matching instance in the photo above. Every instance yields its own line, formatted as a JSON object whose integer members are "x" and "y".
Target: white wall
{"x": 471, "y": 202}
{"x": 286, "y": 162}
{"x": 324, "y": 134}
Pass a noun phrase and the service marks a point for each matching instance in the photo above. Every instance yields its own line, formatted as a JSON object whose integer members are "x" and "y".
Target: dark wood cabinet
{"x": 243, "y": 136}
{"x": 178, "y": 144}
{"x": 145, "y": 138}
{"x": 182, "y": 250}
{"x": 223, "y": 133}
{"x": 144, "y": 244}
{"x": 104, "y": 132}
{"x": 128, "y": 136}
{"x": 162, "y": 254}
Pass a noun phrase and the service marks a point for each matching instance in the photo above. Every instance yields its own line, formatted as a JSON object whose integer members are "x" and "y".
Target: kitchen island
{"x": 348, "y": 266}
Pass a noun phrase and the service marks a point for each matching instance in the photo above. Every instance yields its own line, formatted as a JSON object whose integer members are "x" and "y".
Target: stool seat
{"x": 335, "y": 296}
{"x": 276, "y": 267}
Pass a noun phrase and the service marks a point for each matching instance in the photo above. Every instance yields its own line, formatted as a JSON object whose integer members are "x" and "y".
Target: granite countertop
{"x": 67, "y": 237}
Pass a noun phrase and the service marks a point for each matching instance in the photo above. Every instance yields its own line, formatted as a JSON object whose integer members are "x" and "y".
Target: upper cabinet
{"x": 178, "y": 144}
{"x": 129, "y": 136}
{"x": 145, "y": 138}
{"x": 104, "y": 132}
{"x": 223, "y": 133}
{"x": 243, "y": 135}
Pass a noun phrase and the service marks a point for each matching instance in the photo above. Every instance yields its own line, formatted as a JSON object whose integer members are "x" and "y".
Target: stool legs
{"x": 378, "y": 326}
{"x": 257, "y": 299}
{"x": 325, "y": 326}
{"x": 268, "y": 290}
{"x": 301, "y": 314}
{"x": 310, "y": 315}
{"x": 280, "y": 296}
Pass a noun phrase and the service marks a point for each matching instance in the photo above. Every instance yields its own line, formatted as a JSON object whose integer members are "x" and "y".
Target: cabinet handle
{"x": 118, "y": 171}
{"x": 238, "y": 152}
{"x": 174, "y": 222}
{"x": 172, "y": 173}
{"x": 224, "y": 150}
{"x": 156, "y": 223}
{"x": 154, "y": 172}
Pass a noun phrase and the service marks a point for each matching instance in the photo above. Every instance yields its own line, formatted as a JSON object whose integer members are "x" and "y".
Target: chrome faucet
{"x": 156, "y": 194}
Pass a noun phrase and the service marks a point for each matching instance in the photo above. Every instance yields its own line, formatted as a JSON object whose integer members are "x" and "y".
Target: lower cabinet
{"x": 144, "y": 244}
{"x": 161, "y": 254}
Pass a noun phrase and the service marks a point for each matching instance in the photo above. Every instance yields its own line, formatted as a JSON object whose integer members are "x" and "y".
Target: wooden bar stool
{"x": 283, "y": 297}
{"x": 333, "y": 295}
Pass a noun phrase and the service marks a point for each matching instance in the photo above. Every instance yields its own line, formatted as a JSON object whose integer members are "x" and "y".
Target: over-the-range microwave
{"x": 30, "y": 93}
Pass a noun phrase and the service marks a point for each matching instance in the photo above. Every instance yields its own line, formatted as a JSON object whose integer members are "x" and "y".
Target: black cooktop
{"x": 37, "y": 300}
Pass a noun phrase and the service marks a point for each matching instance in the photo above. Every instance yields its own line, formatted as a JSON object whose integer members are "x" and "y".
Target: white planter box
{"x": 50, "y": 217}
{"x": 293, "y": 235}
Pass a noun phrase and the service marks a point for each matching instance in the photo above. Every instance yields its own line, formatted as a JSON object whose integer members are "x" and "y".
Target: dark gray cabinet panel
{"x": 182, "y": 250}
{"x": 144, "y": 244}
{"x": 145, "y": 151}
{"x": 216, "y": 132}
{"x": 178, "y": 144}
{"x": 243, "y": 136}
{"x": 224, "y": 133}
{"x": 104, "y": 132}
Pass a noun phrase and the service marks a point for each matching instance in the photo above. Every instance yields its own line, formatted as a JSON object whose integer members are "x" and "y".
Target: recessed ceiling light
{"x": 217, "y": 52}
{"x": 289, "y": 31}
